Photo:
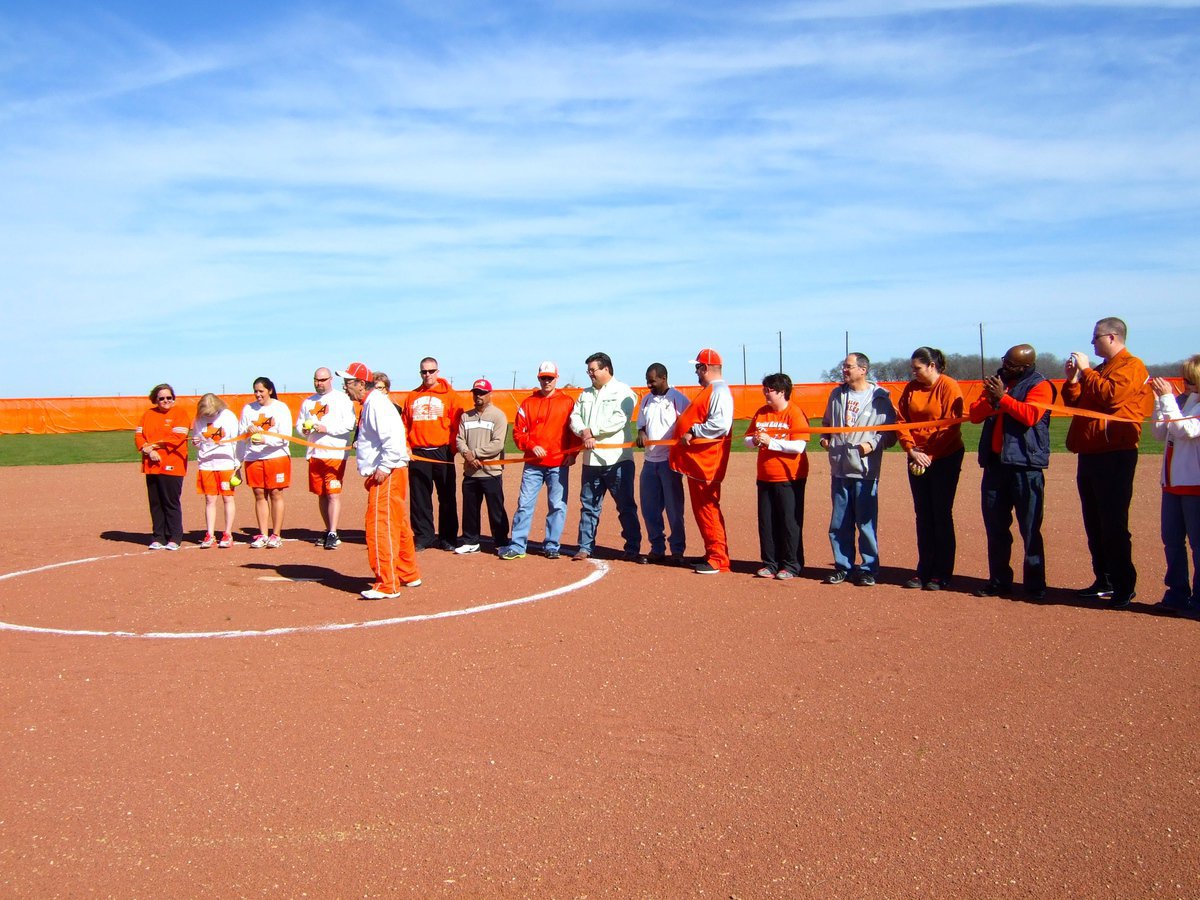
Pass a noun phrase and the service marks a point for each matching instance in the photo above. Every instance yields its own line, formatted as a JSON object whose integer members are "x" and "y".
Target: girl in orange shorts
{"x": 218, "y": 462}
{"x": 267, "y": 460}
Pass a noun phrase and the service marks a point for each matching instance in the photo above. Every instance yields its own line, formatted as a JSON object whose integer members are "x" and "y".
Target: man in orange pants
{"x": 382, "y": 452}
{"x": 702, "y": 454}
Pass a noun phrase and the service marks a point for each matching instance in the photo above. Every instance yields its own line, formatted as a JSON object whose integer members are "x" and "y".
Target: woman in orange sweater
{"x": 935, "y": 457}
{"x": 161, "y": 438}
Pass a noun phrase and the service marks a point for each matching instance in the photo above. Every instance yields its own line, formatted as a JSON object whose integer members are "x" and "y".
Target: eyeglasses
{"x": 1096, "y": 337}
{"x": 429, "y": 371}
{"x": 547, "y": 377}
{"x": 164, "y": 399}
{"x": 700, "y": 366}
{"x": 322, "y": 379}
{"x": 592, "y": 370}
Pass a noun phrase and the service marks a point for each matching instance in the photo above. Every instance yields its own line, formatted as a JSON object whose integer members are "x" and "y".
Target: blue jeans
{"x": 618, "y": 481}
{"x": 855, "y": 506}
{"x": 556, "y": 479}
{"x": 661, "y": 490}
{"x": 1180, "y": 527}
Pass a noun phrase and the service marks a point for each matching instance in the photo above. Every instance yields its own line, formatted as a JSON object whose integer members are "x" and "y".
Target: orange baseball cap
{"x": 706, "y": 357}
{"x": 356, "y": 371}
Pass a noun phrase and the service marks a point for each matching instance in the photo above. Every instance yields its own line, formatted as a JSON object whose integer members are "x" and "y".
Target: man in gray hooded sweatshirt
{"x": 854, "y": 463}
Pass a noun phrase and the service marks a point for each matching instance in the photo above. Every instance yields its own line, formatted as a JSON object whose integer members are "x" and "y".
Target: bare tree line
{"x": 965, "y": 366}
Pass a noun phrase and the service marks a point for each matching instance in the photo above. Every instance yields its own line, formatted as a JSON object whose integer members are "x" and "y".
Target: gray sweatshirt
{"x": 872, "y": 406}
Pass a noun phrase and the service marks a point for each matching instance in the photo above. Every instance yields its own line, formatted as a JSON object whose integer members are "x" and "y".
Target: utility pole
{"x": 982, "y": 372}
{"x": 847, "y": 343}
{"x": 744, "y": 381}
{"x": 780, "y": 333}
{"x": 514, "y": 379}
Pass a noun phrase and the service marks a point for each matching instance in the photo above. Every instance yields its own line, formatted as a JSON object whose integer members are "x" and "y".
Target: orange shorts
{"x": 214, "y": 484}
{"x": 271, "y": 474}
{"x": 325, "y": 475}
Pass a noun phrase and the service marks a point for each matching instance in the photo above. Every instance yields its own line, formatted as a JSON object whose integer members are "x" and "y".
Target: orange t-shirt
{"x": 927, "y": 403}
{"x": 790, "y": 424}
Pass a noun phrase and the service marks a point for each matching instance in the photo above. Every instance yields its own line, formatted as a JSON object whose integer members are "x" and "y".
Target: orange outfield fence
{"x": 74, "y": 415}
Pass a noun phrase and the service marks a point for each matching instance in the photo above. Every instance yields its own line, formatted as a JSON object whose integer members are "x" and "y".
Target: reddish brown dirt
{"x": 654, "y": 734}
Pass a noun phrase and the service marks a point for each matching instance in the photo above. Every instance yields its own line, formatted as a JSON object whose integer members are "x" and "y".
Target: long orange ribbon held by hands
{"x": 1066, "y": 411}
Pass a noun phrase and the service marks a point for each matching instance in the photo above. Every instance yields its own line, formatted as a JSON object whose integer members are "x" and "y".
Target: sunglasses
{"x": 163, "y": 399}
{"x": 429, "y": 371}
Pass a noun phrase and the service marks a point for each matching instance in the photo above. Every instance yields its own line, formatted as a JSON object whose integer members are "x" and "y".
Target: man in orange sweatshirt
{"x": 543, "y": 433}
{"x": 431, "y": 414}
{"x": 1107, "y": 455}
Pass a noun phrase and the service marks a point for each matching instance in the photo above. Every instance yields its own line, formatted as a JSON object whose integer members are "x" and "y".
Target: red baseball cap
{"x": 356, "y": 371}
{"x": 482, "y": 385}
{"x": 707, "y": 357}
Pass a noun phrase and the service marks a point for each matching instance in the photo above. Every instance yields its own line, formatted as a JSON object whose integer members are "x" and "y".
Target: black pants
{"x": 1007, "y": 489}
{"x": 423, "y": 477}
{"x": 781, "y": 524}
{"x": 1105, "y": 482}
{"x": 933, "y": 502}
{"x": 166, "y": 513}
{"x": 475, "y": 491}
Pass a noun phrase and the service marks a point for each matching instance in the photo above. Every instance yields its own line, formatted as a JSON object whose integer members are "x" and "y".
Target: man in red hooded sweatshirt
{"x": 702, "y": 455}
{"x": 431, "y": 414}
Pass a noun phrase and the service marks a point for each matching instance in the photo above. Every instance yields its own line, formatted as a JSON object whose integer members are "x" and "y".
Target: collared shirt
{"x": 608, "y": 413}
{"x": 657, "y": 415}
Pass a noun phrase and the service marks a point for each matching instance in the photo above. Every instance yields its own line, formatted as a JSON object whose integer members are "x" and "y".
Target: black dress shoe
{"x": 992, "y": 589}
{"x": 1035, "y": 593}
{"x": 1095, "y": 591}
{"x": 913, "y": 584}
{"x": 1120, "y": 601}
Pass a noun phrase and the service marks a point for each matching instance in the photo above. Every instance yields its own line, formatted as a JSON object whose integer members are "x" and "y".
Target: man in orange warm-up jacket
{"x": 1107, "y": 455}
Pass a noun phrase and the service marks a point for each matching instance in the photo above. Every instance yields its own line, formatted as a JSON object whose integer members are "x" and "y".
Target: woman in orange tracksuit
{"x": 935, "y": 457}
{"x": 161, "y": 438}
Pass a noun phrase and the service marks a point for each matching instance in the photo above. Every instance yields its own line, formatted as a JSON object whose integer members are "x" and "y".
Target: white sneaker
{"x": 274, "y": 542}
{"x": 372, "y": 594}
{"x": 208, "y": 541}
{"x": 416, "y": 582}
{"x": 259, "y": 542}
{"x": 155, "y": 545}
{"x": 171, "y": 545}
{"x": 226, "y": 541}
{"x": 467, "y": 548}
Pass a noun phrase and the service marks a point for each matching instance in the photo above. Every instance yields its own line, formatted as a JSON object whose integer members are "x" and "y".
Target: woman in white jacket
{"x": 1175, "y": 422}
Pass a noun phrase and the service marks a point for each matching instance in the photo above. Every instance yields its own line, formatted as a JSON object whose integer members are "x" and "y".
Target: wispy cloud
{"x": 522, "y": 182}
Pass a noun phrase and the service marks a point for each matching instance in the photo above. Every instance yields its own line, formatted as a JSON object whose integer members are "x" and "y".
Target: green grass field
{"x": 117, "y": 446}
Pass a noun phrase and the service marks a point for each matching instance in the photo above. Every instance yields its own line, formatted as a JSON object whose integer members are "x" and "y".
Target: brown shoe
{"x": 581, "y": 555}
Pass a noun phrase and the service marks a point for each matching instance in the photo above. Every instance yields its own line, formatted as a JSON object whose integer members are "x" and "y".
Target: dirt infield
{"x": 652, "y": 733}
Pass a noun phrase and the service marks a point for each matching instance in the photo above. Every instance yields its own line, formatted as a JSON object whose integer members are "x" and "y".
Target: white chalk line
{"x": 599, "y": 570}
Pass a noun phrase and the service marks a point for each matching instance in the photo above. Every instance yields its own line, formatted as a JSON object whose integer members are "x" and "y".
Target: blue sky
{"x": 203, "y": 193}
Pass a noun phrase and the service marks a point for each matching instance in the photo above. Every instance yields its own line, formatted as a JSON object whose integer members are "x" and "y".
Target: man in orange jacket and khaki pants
{"x": 702, "y": 455}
